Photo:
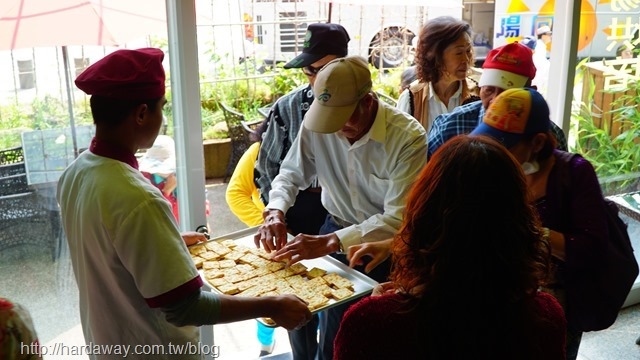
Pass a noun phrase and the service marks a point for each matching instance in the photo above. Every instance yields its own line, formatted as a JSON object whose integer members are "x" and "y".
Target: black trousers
{"x": 306, "y": 216}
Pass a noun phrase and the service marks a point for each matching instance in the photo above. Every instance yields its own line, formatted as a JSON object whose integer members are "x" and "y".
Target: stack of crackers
{"x": 242, "y": 271}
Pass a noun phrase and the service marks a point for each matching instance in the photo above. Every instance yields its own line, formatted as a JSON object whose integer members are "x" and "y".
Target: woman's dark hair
{"x": 111, "y": 112}
{"x": 436, "y": 35}
{"x": 470, "y": 254}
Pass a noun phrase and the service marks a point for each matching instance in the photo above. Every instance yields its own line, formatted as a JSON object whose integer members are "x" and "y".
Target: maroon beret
{"x": 126, "y": 74}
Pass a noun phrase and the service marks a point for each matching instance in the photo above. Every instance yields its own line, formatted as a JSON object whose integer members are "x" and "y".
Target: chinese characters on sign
{"x": 509, "y": 26}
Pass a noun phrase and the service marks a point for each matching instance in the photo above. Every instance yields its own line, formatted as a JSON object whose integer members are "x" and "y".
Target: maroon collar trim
{"x": 111, "y": 151}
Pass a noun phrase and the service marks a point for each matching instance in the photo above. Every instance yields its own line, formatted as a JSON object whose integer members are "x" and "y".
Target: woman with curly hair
{"x": 467, "y": 265}
{"x": 443, "y": 59}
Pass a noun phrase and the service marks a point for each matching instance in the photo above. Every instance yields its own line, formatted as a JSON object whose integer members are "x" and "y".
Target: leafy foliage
{"x": 615, "y": 159}
{"x": 43, "y": 113}
{"x": 245, "y": 87}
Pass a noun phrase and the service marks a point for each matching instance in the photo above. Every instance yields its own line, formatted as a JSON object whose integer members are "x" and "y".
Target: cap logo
{"x": 325, "y": 96}
{"x": 510, "y": 114}
{"x": 507, "y": 82}
{"x": 307, "y": 39}
{"x": 507, "y": 59}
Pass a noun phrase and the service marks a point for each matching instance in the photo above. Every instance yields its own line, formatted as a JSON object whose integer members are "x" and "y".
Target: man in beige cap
{"x": 323, "y": 43}
{"x": 365, "y": 155}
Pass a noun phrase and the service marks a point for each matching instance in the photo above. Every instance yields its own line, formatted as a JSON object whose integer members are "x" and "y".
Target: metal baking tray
{"x": 629, "y": 204}
{"x": 362, "y": 284}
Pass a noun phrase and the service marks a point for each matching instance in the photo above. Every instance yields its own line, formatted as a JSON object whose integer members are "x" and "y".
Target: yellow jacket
{"x": 242, "y": 194}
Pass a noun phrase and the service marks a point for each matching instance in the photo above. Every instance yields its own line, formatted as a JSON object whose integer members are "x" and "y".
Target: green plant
{"x": 42, "y": 114}
{"x": 284, "y": 80}
{"x": 49, "y": 113}
{"x": 387, "y": 81}
{"x": 209, "y": 121}
{"x": 244, "y": 87}
{"x": 211, "y": 134}
{"x": 615, "y": 159}
{"x": 14, "y": 116}
{"x": 12, "y": 137}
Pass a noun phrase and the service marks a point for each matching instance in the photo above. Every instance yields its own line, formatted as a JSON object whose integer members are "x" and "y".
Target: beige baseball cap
{"x": 338, "y": 88}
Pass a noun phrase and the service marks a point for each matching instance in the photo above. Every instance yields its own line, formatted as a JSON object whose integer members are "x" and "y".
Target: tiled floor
{"x": 48, "y": 290}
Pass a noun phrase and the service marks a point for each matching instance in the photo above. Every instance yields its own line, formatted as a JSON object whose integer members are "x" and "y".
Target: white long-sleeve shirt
{"x": 364, "y": 184}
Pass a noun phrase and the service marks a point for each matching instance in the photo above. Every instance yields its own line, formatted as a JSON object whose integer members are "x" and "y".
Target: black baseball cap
{"x": 321, "y": 40}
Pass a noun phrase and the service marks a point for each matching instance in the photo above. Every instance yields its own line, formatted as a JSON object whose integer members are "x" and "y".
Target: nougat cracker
{"x": 338, "y": 281}
{"x": 209, "y": 255}
{"x": 341, "y": 293}
{"x": 197, "y": 249}
{"x": 316, "y": 273}
{"x": 228, "y": 289}
{"x": 197, "y": 261}
{"x": 207, "y": 265}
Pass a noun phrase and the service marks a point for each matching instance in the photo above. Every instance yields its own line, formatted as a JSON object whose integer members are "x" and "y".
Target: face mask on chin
{"x": 530, "y": 167}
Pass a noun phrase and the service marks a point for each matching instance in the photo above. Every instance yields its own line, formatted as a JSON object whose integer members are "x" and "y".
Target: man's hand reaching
{"x": 272, "y": 234}
{"x": 308, "y": 247}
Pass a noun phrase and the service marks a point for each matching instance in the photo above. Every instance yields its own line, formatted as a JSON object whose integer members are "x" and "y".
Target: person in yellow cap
{"x": 365, "y": 155}
{"x": 137, "y": 283}
{"x": 565, "y": 191}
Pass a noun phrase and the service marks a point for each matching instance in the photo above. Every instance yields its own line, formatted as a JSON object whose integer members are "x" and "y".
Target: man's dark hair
{"x": 111, "y": 112}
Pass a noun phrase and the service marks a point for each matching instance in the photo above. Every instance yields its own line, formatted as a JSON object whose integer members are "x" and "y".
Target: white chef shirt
{"x": 127, "y": 254}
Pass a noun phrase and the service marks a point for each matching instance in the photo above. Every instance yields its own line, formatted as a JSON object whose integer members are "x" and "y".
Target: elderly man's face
{"x": 360, "y": 121}
{"x": 488, "y": 93}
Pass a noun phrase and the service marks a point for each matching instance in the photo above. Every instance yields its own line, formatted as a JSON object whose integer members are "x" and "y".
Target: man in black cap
{"x": 122, "y": 234}
{"x": 323, "y": 43}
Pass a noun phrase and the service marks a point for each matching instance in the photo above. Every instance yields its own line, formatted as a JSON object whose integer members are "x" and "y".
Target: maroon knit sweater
{"x": 373, "y": 329}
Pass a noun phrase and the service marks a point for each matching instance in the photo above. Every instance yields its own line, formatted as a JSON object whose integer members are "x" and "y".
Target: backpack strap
{"x": 563, "y": 188}
{"x": 412, "y": 106}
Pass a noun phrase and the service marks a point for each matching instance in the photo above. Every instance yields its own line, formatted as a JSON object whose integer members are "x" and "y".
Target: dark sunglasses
{"x": 310, "y": 70}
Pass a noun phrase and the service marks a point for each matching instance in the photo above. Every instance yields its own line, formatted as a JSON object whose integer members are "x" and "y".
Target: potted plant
{"x": 216, "y": 144}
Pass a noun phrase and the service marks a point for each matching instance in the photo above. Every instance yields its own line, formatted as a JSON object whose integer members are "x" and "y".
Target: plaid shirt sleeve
{"x": 462, "y": 120}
